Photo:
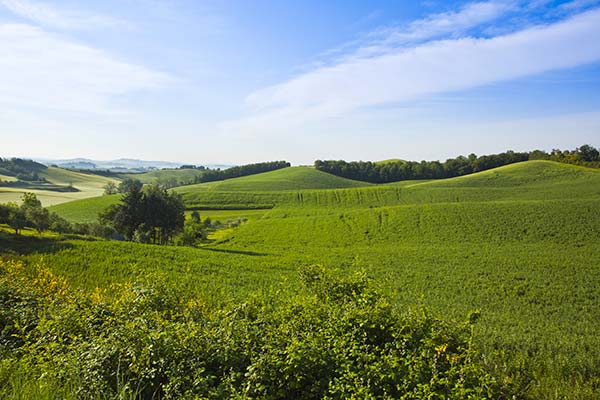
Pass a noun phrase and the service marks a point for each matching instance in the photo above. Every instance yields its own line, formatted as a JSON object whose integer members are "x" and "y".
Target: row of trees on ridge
{"x": 399, "y": 170}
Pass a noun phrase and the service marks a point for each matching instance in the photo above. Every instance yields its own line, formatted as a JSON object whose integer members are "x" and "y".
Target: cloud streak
{"x": 408, "y": 73}
{"x": 43, "y": 70}
{"x": 48, "y": 16}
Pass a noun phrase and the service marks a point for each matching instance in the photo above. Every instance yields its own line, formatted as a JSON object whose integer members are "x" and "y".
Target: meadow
{"x": 517, "y": 246}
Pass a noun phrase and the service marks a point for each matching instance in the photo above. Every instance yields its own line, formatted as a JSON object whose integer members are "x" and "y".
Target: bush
{"x": 337, "y": 339}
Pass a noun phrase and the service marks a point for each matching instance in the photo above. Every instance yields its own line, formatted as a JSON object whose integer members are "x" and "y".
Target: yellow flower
{"x": 441, "y": 348}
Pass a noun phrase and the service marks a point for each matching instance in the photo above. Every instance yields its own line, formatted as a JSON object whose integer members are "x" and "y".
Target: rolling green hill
{"x": 532, "y": 180}
{"x": 57, "y": 190}
{"x": 84, "y": 210}
{"x": 292, "y": 178}
{"x": 519, "y": 244}
{"x": 182, "y": 176}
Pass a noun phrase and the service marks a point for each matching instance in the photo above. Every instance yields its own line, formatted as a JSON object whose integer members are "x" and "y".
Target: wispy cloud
{"x": 44, "y": 70}
{"x": 451, "y": 23}
{"x": 448, "y": 23}
{"x": 64, "y": 19}
{"x": 575, "y": 5}
{"x": 408, "y": 73}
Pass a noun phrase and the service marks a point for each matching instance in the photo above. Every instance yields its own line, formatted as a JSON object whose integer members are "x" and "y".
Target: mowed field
{"x": 87, "y": 185}
{"x": 519, "y": 244}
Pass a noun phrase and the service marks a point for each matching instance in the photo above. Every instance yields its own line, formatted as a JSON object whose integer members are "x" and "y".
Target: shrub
{"x": 338, "y": 339}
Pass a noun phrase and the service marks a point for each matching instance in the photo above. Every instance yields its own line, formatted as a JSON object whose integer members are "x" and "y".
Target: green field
{"x": 85, "y": 185}
{"x": 292, "y": 178}
{"x": 180, "y": 175}
{"x": 518, "y": 243}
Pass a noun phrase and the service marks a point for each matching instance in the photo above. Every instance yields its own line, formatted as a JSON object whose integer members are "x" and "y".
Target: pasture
{"x": 517, "y": 244}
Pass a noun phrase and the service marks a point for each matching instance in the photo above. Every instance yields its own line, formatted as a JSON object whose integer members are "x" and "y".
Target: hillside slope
{"x": 85, "y": 186}
{"x": 184, "y": 176}
{"x": 292, "y": 178}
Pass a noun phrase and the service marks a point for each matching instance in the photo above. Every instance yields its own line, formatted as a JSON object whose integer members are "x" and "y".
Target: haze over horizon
{"x": 235, "y": 82}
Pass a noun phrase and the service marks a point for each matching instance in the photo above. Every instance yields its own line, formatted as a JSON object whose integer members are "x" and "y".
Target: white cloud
{"x": 451, "y": 23}
{"x": 578, "y": 4}
{"x": 39, "y": 69}
{"x": 404, "y": 74}
{"x": 454, "y": 22}
{"x": 48, "y": 16}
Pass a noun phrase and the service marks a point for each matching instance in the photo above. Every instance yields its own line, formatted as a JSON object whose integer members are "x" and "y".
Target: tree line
{"x": 399, "y": 170}
{"x": 31, "y": 214}
{"x": 24, "y": 170}
{"x": 211, "y": 175}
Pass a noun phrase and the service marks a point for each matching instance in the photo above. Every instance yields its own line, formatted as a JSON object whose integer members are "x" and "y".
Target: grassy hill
{"x": 56, "y": 190}
{"x": 182, "y": 176}
{"x": 532, "y": 180}
{"x": 293, "y": 178}
{"x": 519, "y": 244}
{"x": 84, "y": 210}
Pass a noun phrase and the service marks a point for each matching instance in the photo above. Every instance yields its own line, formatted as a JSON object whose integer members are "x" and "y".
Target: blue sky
{"x": 246, "y": 81}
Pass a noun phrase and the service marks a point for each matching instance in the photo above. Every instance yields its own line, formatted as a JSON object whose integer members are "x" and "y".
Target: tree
{"x": 39, "y": 217}
{"x": 17, "y": 219}
{"x": 59, "y": 224}
{"x": 110, "y": 188}
{"x": 30, "y": 200}
{"x": 128, "y": 184}
{"x": 588, "y": 153}
{"x": 152, "y": 215}
{"x": 129, "y": 214}
{"x": 35, "y": 214}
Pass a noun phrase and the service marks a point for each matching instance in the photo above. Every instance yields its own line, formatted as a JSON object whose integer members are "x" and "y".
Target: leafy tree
{"x": 59, "y": 224}
{"x": 128, "y": 184}
{"x": 17, "y": 219}
{"x": 39, "y": 217}
{"x": 111, "y": 188}
{"x": 588, "y": 153}
{"x": 152, "y": 215}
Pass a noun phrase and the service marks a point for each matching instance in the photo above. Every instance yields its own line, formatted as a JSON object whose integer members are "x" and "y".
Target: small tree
{"x": 39, "y": 217}
{"x": 110, "y": 188}
{"x": 127, "y": 185}
{"x": 17, "y": 219}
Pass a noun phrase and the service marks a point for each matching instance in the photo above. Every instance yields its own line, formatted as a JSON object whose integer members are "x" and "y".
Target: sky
{"x": 248, "y": 81}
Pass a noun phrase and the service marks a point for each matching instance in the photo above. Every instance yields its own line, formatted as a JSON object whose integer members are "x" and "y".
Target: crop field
{"x": 517, "y": 244}
{"x": 180, "y": 175}
{"x": 293, "y": 178}
{"x": 86, "y": 185}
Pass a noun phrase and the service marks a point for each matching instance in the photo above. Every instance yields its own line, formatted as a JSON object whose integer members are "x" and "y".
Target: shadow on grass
{"x": 22, "y": 244}
{"x": 246, "y": 253}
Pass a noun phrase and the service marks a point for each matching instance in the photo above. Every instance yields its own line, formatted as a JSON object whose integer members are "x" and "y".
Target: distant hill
{"x": 120, "y": 165}
{"x": 58, "y": 185}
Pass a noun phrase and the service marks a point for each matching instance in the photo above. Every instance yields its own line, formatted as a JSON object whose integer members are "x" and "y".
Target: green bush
{"x": 337, "y": 339}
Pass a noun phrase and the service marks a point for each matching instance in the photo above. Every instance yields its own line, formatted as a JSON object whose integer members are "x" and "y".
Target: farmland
{"x": 517, "y": 244}
{"x": 58, "y": 189}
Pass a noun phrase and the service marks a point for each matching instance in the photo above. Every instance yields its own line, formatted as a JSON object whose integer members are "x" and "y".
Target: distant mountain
{"x": 120, "y": 165}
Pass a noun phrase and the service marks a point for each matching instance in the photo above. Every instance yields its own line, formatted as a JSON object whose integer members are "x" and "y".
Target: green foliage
{"x": 150, "y": 216}
{"x": 395, "y": 170}
{"x": 110, "y": 188}
{"x": 146, "y": 341}
{"x": 516, "y": 244}
{"x": 294, "y": 178}
{"x": 26, "y": 170}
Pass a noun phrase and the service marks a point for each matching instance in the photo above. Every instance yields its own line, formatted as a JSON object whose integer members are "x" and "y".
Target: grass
{"x": 181, "y": 175}
{"x": 518, "y": 243}
{"x": 87, "y": 185}
{"x": 85, "y": 210}
{"x": 293, "y": 178}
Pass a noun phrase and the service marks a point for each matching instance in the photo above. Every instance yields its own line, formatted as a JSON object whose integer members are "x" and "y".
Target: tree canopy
{"x": 148, "y": 215}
